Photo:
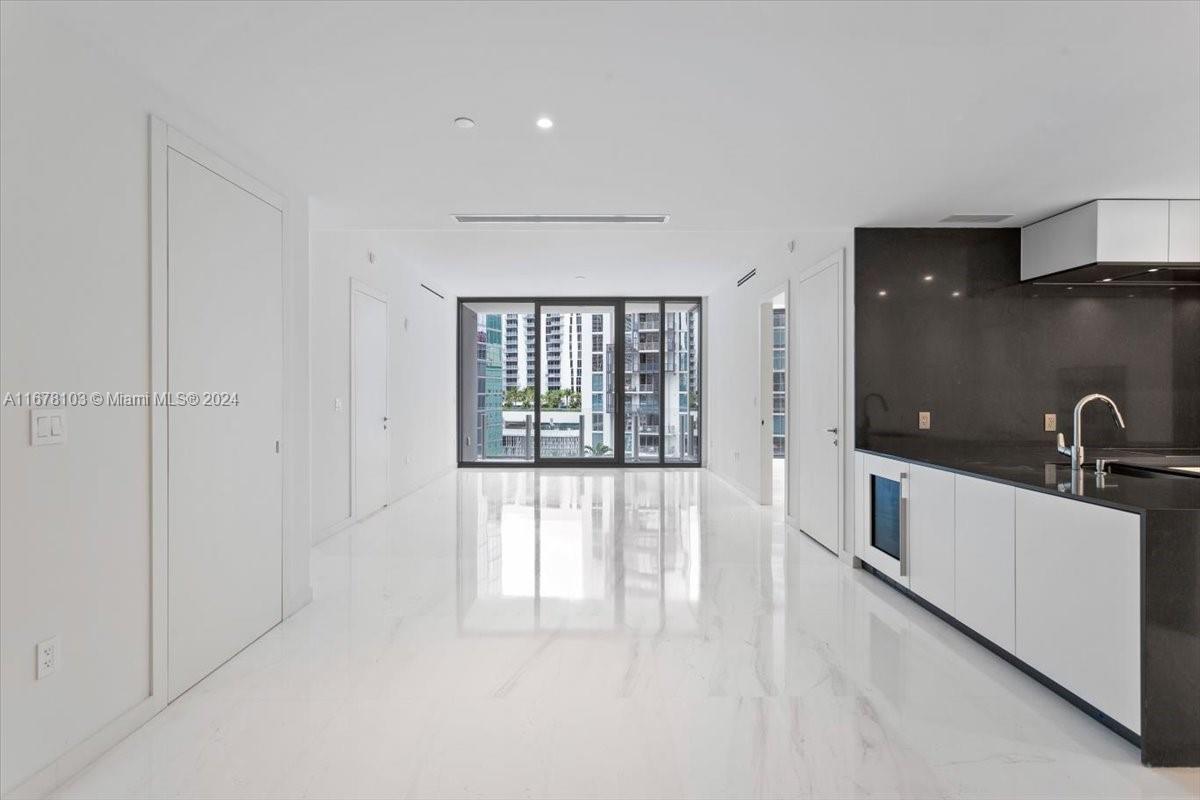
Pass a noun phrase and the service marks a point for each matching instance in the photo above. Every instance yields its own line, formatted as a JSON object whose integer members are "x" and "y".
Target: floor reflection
{"x": 569, "y": 552}
{"x": 613, "y": 633}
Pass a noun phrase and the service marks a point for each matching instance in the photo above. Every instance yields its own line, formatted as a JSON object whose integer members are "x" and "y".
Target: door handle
{"x": 831, "y": 430}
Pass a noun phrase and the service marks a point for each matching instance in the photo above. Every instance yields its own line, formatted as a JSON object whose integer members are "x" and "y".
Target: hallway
{"x": 631, "y": 633}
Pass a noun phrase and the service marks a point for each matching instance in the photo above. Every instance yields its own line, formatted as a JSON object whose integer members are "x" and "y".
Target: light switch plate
{"x": 923, "y": 420}
{"x": 47, "y": 426}
{"x": 1051, "y": 422}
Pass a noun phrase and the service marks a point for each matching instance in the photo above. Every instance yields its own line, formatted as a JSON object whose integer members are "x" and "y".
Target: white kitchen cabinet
{"x": 1078, "y": 600}
{"x": 1131, "y": 230}
{"x": 1184, "y": 244}
{"x": 984, "y": 584}
{"x": 931, "y": 535}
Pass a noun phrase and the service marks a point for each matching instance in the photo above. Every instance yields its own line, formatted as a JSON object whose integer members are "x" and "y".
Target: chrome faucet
{"x": 1075, "y": 451}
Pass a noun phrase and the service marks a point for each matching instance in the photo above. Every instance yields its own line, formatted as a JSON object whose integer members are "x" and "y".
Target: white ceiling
{"x": 743, "y": 121}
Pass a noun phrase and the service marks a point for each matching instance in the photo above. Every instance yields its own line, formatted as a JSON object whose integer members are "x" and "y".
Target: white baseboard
{"x": 330, "y": 530}
{"x": 736, "y": 485}
{"x": 70, "y": 763}
{"x": 341, "y": 525}
{"x": 299, "y": 603}
{"x": 435, "y": 476}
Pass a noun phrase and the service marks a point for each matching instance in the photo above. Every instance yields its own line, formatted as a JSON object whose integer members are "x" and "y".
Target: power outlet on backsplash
{"x": 923, "y": 420}
{"x": 1051, "y": 422}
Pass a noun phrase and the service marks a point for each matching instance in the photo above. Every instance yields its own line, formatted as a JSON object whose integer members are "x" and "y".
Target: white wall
{"x": 74, "y": 315}
{"x": 732, "y": 371}
{"x": 421, "y": 372}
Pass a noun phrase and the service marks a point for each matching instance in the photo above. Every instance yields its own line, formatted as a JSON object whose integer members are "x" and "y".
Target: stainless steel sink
{"x": 1179, "y": 465}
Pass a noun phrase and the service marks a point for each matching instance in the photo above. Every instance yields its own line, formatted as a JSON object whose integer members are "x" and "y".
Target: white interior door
{"x": 225, "y": 487}
{"x": 815, "y": 324}
{"x": 369, "y": 337}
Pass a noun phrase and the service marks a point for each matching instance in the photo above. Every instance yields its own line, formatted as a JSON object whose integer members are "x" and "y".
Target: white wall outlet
{"x": 1051, "y": 422}
{"x": 47, "y": 657}
{"x": 337, "y": 404}
{"x": 47, "y": 426}
{"x": 923, "y": 420}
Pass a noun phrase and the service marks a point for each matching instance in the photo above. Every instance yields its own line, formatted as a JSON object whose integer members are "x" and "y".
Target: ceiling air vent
{"x": 747, "y": 276}
{"x": 562, "y": 219}
{"x": 976, "y": 219}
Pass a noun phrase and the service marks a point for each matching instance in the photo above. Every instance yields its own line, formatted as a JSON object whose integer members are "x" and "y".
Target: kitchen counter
{"x": 1169, "y": 571}
{"x": 1041, "y": 467}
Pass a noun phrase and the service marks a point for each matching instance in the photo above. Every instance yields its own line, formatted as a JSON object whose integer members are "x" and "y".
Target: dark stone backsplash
{"x": 991, "y": 360}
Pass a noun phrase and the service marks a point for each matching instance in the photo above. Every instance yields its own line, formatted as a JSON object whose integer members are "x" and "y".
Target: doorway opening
{"x": 779, "y": 400}
{"x": 773, "y": 409}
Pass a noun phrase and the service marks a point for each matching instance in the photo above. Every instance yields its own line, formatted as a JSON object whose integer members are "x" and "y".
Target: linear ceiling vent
{"x": 747, "y": 276}
{"x": 561, "y": 219}
{"x": 976, "y": 219}
{"x": 433, "y": 291}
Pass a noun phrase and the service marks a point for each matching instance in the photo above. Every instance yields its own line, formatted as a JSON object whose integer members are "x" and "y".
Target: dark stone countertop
{"x": 1042, "y": 468}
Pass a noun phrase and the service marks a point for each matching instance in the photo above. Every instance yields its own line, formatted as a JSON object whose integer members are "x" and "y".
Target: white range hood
{"x": 1125, "y": 240}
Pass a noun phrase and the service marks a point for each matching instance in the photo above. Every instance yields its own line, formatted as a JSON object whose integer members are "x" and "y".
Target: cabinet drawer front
{"x": 983, "y": 558}
{"x": 1078, "y": 593}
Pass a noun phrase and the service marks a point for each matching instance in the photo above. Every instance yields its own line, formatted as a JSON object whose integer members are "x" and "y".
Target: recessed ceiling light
{"x": 1069, "y": 288}
{"x": 1154, "y": 269}
{"x": 928, "y": 277}
{"x": 883, "y": 292}
{"x": 545, "y": 123}
{"x": 580, "y": 277}
{"x": 1106, "y": 280}
{"x": 955, "y": 294}
{"x": 464, "y": 122}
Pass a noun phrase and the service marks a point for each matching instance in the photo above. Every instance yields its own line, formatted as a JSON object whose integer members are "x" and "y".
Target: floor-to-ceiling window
{"x": 577, "y": 369}
{"x": 643, "y": 382}
{"x": 570, "y": 381}
{"x": 681, "y": 376}
{"x": 497, "y": 367}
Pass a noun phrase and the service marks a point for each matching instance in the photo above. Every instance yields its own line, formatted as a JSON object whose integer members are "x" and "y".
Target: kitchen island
{"x": 1089, "y": 583}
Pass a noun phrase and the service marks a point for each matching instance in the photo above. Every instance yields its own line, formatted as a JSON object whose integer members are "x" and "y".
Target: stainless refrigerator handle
{"x": 903, "y": 524}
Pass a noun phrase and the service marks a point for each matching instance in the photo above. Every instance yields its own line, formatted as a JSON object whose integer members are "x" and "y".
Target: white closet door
{"x": 815, "y": 341}
{"x": 225, "y": 334}
{"x": 372, "y": 448}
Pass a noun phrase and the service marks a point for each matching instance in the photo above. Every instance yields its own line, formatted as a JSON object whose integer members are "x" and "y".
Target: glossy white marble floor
{"x": 611, "y": 634}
